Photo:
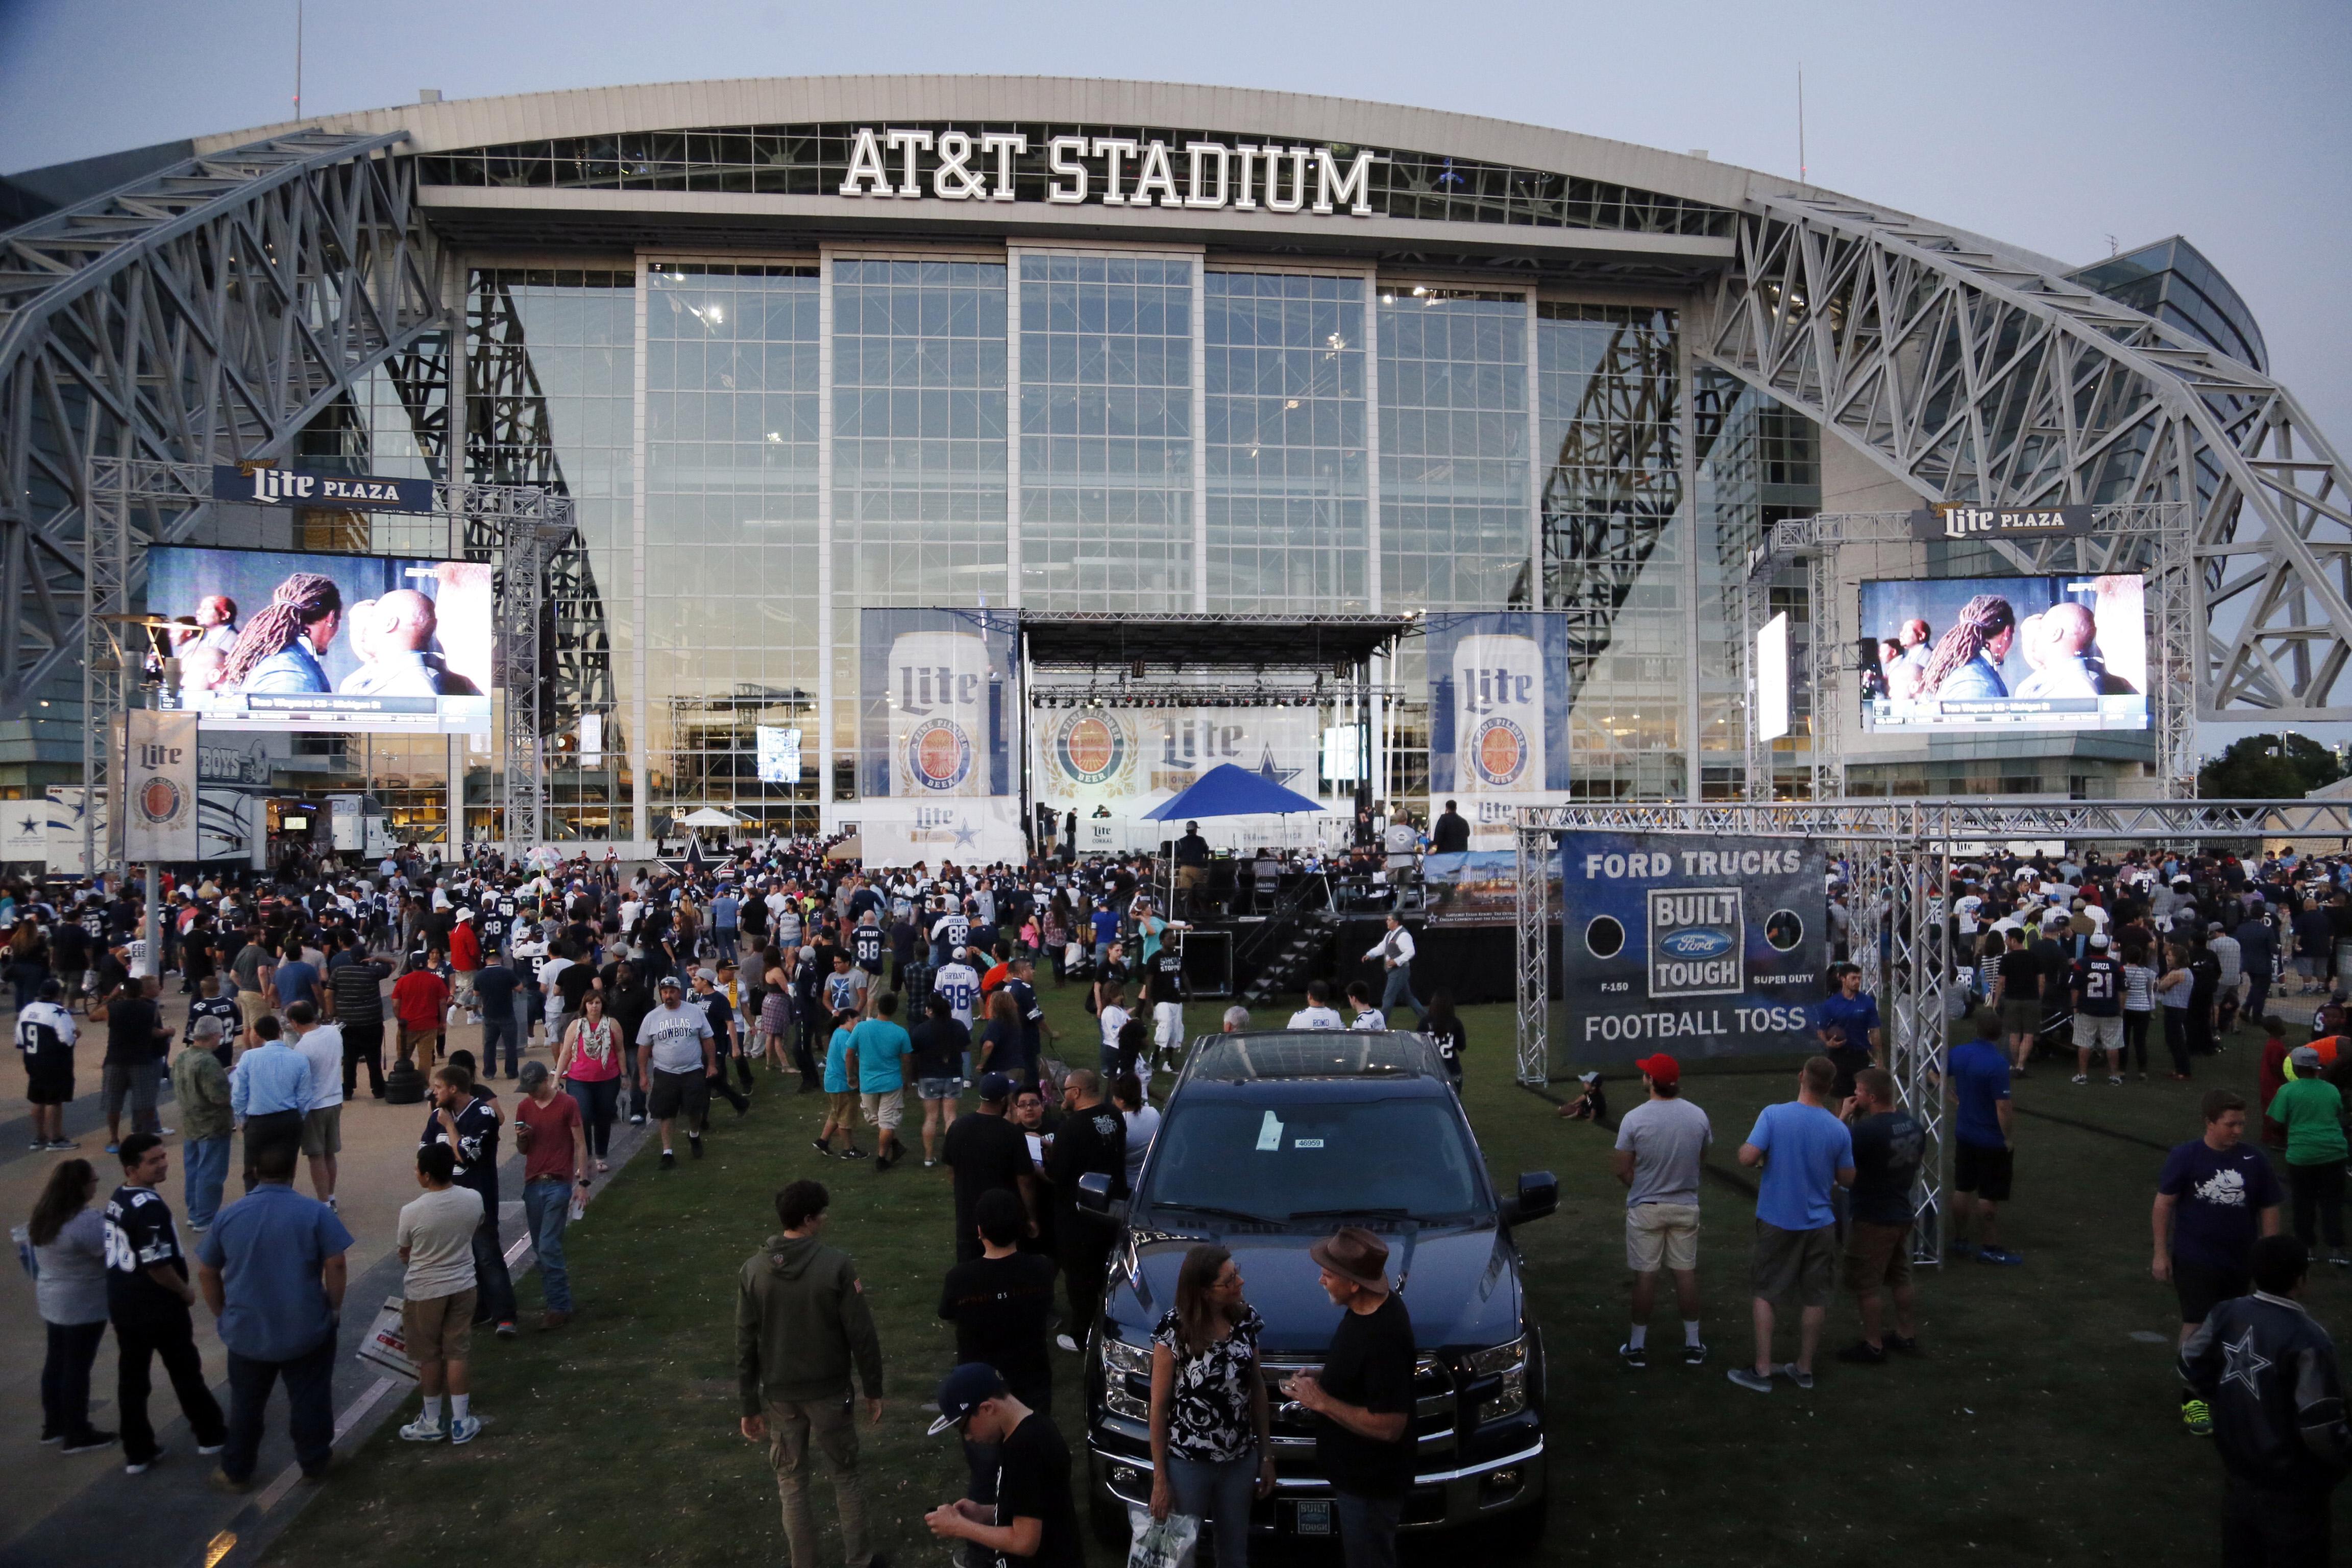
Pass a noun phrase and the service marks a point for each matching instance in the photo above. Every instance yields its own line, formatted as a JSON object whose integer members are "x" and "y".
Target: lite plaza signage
{"x": 1111, "y": 171}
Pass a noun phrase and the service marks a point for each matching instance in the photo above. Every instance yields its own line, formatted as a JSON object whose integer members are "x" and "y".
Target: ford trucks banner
{"x": 1498, "y": 715}
{"x": 936, "y": 695}
{"x": 1695, "y": 946}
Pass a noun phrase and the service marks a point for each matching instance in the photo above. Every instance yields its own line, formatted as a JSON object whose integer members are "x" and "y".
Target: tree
{"x": 2254, "y": 769}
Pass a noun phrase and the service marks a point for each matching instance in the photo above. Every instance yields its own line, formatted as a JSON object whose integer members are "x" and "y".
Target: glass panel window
{"x": 1453, "y": 448}
{"x": 1106, "y": 432}
{"x": 1287, "y": 482}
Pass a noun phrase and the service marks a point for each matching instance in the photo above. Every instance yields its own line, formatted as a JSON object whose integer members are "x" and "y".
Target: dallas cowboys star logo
{"x": 1267, "y": 770}
{"x": 966, "y": 835}
{"x": 2245, "y": 1364}
{"x": 29, "y": 825}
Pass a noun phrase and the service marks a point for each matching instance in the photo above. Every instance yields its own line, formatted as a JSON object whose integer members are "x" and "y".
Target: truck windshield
{"x": 1406, "y": 1157}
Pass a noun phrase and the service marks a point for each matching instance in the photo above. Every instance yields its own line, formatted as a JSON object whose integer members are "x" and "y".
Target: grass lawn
{"x": 2036, "y": 1429}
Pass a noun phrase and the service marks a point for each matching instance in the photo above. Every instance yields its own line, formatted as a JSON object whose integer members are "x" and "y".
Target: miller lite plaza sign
{"x": 1111, "y": 171}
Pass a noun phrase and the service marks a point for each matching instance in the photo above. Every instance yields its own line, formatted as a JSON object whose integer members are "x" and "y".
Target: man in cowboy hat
{"x": 1363, "y": 1397}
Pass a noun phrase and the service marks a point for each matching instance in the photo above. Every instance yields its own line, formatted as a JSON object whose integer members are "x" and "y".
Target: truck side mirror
{"x": 1538, "y": 1195}
{"x": 1093, "y": 1191}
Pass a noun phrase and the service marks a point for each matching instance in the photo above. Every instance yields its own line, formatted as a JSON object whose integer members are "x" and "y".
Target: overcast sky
{"x": 2065, "y": 127}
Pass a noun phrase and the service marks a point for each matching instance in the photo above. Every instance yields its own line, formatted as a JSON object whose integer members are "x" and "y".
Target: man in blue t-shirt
{"x": 876, "y": 1055}
{"x": 1982, "y": 1159}
{"x": 1806, "y": 1153}
{"x": 1847, "y": 1025}
{"x": 2215, "y": 1196}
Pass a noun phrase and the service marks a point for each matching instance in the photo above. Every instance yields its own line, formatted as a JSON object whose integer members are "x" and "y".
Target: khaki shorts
{"x": 883, "y": 1109}
{"x": 1795, "y": 1265}
{"x": 2098, "y": 1034}
{"x": 1876, "y": 1255}
{"x": 322, "y": 1131}
{"x": 438, "y": 1327}
{"x": 252, "y": 1006}
{"x": 1660, "y": 1233}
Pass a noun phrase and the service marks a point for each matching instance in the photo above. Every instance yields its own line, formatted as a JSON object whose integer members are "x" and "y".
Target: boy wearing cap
{"x": 2312, "y": 1110}
{"x": 1362, "y": 1397}
{"x": 1035, "y": 1517}
{"x": 674, "y": 1066}
{"x": 2098, "y": 1010}
{"x": 1660, "y": 1144}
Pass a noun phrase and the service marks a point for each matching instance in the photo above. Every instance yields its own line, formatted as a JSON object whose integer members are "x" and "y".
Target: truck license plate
{"x": 1314, "y": 1518}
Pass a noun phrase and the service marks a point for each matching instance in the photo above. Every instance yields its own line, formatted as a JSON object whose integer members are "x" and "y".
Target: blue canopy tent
{"x": 1229, "y": 791}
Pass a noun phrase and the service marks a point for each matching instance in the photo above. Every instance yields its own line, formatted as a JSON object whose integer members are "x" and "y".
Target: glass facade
{"x": 730, "y": 568}
{"x": 920, "y": 475}
{"x": 1288, "y": 491}
{"x": 1106, "y": 369}
{"x": 815, "y": 438}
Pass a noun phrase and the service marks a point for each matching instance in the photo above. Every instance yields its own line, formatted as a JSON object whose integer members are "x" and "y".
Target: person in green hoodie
{"x": 802, "y": 1326}
{"x": 2312, "y": 1110}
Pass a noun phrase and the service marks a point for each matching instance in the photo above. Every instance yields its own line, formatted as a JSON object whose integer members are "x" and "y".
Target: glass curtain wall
{"x": 1288, "y": 486}
{"x": 1453, "y": 448}
{"x": 1106, "y": 432}
{"x": 919, "y": 451}
{"x": 1616, "y": 542}
{"x": 731, "y": 568}
{"x": 550, "y": 372}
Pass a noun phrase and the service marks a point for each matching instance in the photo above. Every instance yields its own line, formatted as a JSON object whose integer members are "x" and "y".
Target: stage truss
{"x": 1899, "y": 855}
{"x": 531, "y": 522}
{"x": 2151, "y": 540}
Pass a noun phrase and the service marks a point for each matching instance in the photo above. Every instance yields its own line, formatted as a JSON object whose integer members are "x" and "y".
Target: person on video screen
{"x": 202, "y": 642}
{"x": 280, "y": 649}
{"x": 397, "y": 648}
{"x": 1908, "y": 671}
{"x": 2059, "y": 648}
{"x": 1966, "y": 661}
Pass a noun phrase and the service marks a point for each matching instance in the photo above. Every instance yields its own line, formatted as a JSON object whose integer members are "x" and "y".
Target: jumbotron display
{"x": 2018, "y": 653}
{"x": 274, "y": 640}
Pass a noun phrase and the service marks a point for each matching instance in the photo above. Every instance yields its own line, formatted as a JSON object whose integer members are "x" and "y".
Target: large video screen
{"x": 273, "y": 640}
{"x": 2017, "y": 653}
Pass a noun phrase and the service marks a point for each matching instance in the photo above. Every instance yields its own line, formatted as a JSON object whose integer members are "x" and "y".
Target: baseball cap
{"x": 2304, "y": 1059}
{"x": 1662, "y": 1069}
{"x": 2213, "y": 925}
{"x": 2098, "y": 939}
{"x": 964, "y": 1390}
{"x": 669, "y": 982}
{"x": 995, "y": 1086}
{"x": 705, "y": 973}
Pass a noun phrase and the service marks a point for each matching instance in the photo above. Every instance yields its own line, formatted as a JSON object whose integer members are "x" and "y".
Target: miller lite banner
{"x": 158, "y": 787}
{"x": 936, "y": 694}
{"x": 1497, "y": 712}
{"x": 1697, "y": 946}
{"x": 1129, "y": 758}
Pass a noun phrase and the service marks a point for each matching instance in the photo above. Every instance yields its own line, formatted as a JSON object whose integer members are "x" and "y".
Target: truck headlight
{"x": 1509, "y": 1363}
{"x": 1120, "y": 1362}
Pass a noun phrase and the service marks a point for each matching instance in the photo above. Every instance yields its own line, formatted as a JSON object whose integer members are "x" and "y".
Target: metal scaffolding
{"x": 2150, "y": 540}
{"x": 174, "y": 496}
{"x": 1899, "y": 857}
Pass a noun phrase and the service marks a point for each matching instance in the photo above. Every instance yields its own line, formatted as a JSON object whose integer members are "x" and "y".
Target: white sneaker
{"x": 423, "y": 1431}
{"x": 2080, "y": 1079}
{"x": 465, "y": 1429}
{"x": 2116, "y": 1079}
{"x": 1066, "y": 1342}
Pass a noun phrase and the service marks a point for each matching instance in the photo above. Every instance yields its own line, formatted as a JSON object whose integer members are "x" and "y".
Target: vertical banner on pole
{"x": 158, "y": 787}
{"x": 1498, "y": 702}
{"x": 936, "y": 697}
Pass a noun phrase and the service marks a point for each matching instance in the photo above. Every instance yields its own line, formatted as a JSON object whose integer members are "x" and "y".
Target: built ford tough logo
{"x": 1697, "y": 938}
{"x": 1698, "y": 944}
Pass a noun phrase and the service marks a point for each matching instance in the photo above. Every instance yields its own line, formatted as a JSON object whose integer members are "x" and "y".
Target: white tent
{"x": 709, "y": 816}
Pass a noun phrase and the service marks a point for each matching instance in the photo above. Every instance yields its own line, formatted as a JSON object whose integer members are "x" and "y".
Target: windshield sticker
{"x": 1269, "y": 1134}
{"x": 1307, "y": 1142}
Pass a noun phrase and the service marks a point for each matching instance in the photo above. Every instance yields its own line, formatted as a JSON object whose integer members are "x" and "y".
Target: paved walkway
{"x": 68, "y": 1513}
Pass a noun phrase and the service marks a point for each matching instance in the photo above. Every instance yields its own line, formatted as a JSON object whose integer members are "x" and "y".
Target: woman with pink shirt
{"x": 589, "y": 1063}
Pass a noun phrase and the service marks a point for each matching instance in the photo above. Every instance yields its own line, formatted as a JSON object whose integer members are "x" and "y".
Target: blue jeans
{"x": 1220, "y": 1495}
{"x": 1368, "y": 1529}
{"x": 205, "y": 1160}
{"x": 547, "y": 1209}
{"x": 1399, "y": 988}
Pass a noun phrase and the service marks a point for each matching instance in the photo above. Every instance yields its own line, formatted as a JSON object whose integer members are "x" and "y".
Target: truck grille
{"x": 1435, "y": 1405}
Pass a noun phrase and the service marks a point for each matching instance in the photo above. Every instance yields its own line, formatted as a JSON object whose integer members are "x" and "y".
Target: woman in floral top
{"x": 1209, "y": 1452}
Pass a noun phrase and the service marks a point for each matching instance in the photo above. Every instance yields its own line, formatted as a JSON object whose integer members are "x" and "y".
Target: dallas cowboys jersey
{"x": 44, "y": 1028}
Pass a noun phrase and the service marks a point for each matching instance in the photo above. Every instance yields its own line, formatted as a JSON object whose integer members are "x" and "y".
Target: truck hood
{"x": 1461, "y": 1285}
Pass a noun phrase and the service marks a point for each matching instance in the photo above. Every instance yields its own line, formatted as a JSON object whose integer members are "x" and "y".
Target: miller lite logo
{"x": 1089, "y": 747}
{"x": 939, "y": 694}
{"x": 939, "y": 754}
{"x": 159, "y": 800}
{"x": 1498, "y": 752}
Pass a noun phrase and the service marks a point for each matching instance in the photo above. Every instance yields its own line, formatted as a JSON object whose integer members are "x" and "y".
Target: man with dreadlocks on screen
{"x": 1967, "y": 658}
{"x": 280, "y": 649}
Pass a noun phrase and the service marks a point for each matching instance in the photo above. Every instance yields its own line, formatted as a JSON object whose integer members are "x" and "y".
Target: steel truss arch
{"x": 207, "y": 312}
{"x": 1974, "y": 376}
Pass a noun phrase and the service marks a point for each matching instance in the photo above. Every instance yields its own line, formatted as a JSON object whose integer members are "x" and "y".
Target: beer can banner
{"x": 1498, "y": 703}
{"x": 1693, "y": 945}
{"x": 936, "y": 704}
{"x": 159, "y": 786}
{"x": 1127, "y": 759}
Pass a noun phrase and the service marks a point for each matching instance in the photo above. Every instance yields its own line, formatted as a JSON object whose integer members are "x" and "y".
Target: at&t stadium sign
{"x": 1111, "y": 171}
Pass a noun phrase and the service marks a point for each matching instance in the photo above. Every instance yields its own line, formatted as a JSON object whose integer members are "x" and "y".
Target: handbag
{"x": 386, "y": 1344}
{"x": 1161, "y": 1542}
